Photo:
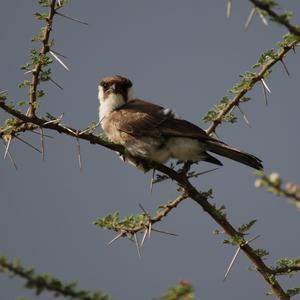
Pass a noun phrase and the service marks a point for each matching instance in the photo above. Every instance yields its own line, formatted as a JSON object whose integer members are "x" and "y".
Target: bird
{"x": 151, "y": 132}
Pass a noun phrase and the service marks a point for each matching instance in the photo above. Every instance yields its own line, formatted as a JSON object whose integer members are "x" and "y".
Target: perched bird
{"x": 153, "y": 132}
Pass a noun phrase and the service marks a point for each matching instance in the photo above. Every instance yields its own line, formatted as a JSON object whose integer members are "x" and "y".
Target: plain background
{"x": 181, "y": 54}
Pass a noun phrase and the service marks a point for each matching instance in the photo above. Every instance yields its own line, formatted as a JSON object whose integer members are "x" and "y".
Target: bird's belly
{"x": 149, "y": 148}
{"x": 186, "y": 149}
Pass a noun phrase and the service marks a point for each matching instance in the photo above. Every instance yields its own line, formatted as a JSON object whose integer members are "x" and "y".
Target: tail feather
{"x": 235, "y": 154}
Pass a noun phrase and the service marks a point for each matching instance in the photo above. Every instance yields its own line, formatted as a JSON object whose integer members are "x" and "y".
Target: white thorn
{"x": 250, "y": 17}
{"x": 236, "y": 254}
{"x": 79, "y": 154}
{"x": 144, "y": 237}
{"x": 7, "y": 146}
{"x": 232, "y": 262}
{"x": 149, "y": 229}
{"x": 228, "y": 10}
{"x": 137, "y": 245}
{"x": 59, "y": 60}
{"x": 115, "y": 238}
{"x": 264, "y": 20}
{"x": 265, "y": 85}
{"x": 42, "y": 143}
{"x": 244, "y": 116}
{"x": 264, "y": 93}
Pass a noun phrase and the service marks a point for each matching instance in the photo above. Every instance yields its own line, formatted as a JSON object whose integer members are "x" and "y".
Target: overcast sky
{"x": 180, "y": 54}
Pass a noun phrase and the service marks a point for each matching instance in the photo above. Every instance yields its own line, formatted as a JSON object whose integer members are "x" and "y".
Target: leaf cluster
{"x": 182, "y": 291}
{"x": 128, "y": 224}
{"x": 45, "y": 282}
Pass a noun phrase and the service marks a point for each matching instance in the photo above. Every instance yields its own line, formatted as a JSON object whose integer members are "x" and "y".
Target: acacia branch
{"x": 181, "y": 178}
{"x": 46, "y": 282}
{"x": 44, "y": 50}
{"x": 281, "y": 19}
{"x": 238, "y": 97}
{"x": 286, "y": 270}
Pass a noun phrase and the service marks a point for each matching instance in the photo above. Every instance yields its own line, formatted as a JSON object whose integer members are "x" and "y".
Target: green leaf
{"x": 244, "y": 228}
{"x": 25, "y": 83}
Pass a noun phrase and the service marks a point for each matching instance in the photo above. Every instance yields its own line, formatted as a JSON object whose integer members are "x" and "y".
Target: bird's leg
{"x": 186, "y": 167}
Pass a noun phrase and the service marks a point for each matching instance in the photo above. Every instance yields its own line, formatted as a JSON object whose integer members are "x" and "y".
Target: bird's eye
{"x": 104, "y": 85}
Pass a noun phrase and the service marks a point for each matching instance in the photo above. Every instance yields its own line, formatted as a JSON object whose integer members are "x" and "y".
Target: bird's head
{"x": 115, "y": 91}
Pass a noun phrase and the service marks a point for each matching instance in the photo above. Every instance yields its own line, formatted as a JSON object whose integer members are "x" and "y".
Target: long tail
{"x": 235, "y": 154}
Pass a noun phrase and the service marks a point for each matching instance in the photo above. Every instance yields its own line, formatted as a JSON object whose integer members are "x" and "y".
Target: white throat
{"x": 112, "y": 102}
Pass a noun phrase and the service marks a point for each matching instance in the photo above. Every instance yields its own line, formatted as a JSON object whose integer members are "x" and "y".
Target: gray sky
{"x": 181, "y": 54}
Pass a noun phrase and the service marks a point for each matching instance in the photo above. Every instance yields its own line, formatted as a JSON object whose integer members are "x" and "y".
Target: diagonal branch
{"x": 47, "y": 282}
{"x": 281, "y": 19}
{"x": 190, "y": 191}
{"x": 238, "y": 97}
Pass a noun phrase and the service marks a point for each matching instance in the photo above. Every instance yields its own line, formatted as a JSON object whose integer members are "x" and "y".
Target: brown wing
{"x": 148, "y": 119}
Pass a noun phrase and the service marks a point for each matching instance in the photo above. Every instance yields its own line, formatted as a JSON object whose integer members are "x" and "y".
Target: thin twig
{"x": 70, "y": 18}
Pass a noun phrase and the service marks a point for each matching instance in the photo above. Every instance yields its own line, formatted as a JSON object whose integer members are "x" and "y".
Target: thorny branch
{"x": 238, "y": 97}
{"x": 49, "y": 283}
{"x": 190, "y": 191}
{"x": 160, "y": 214}
{"x": 281, "y": 19}
{"x": 45, "y": 49}
{"x": 274, "y": 185}
{"x": 31, "y": 122}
